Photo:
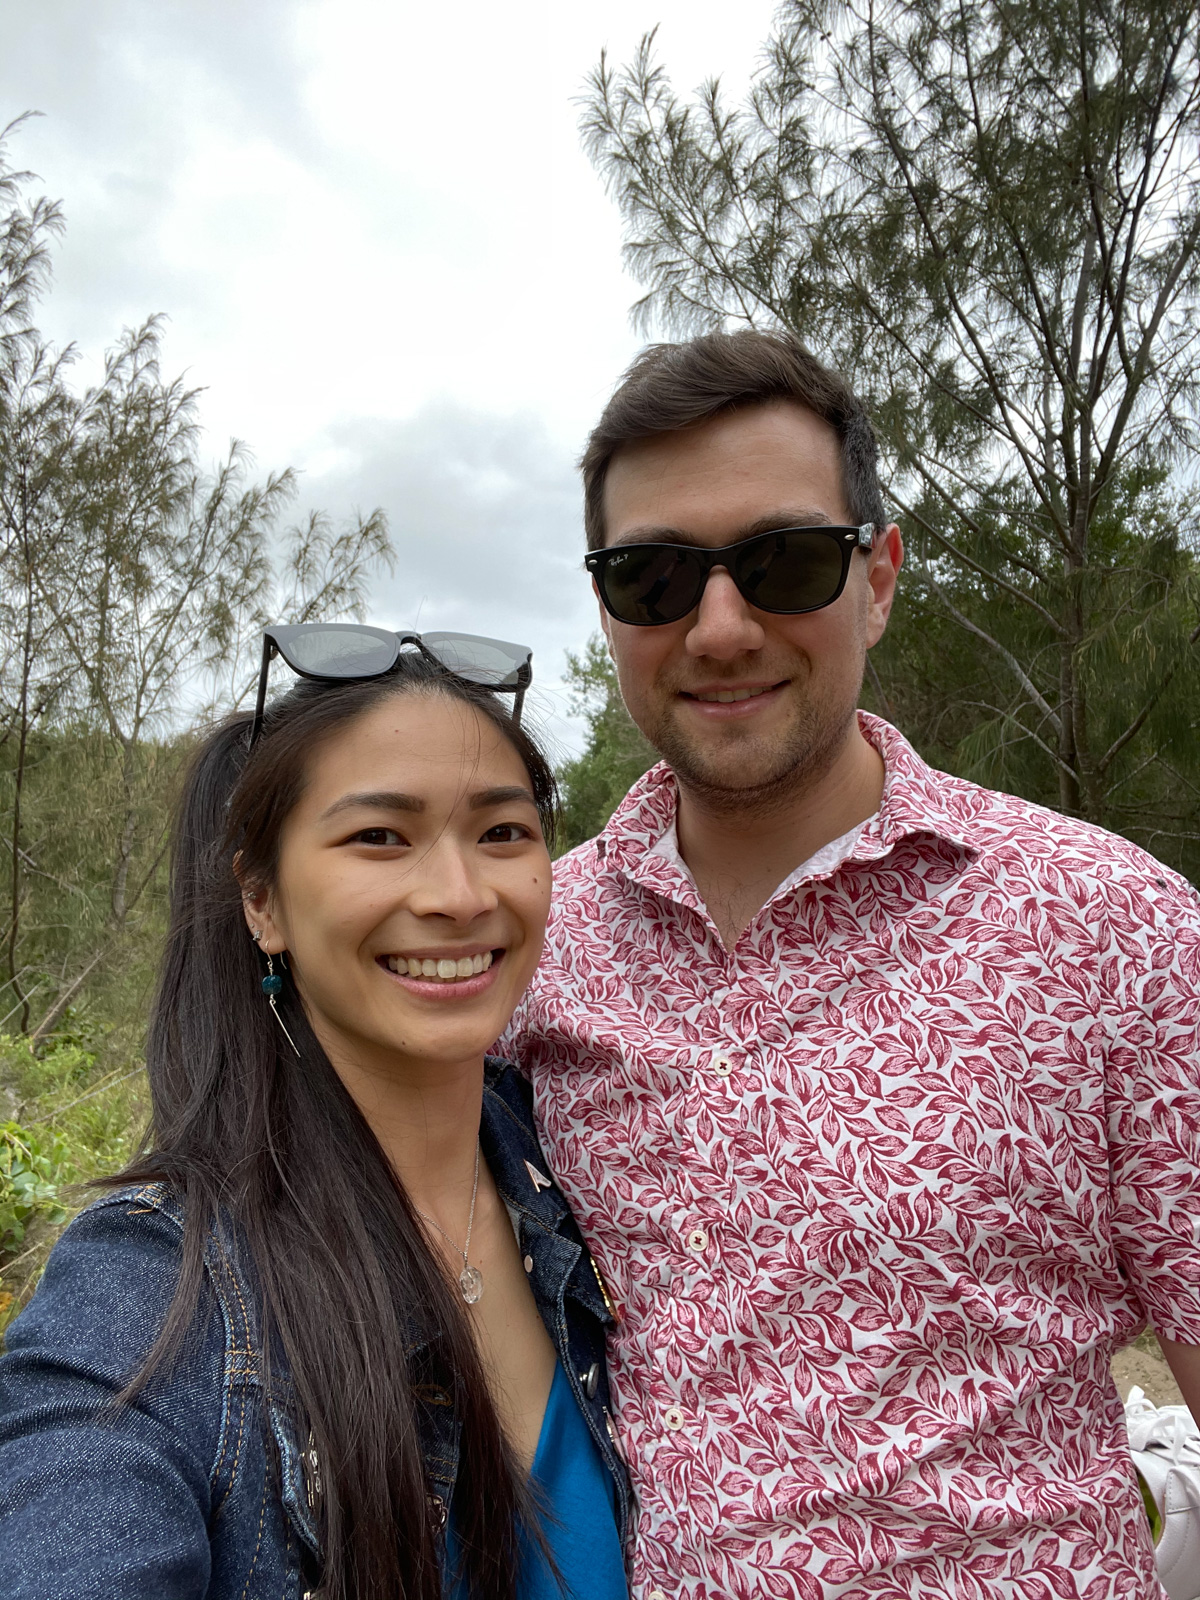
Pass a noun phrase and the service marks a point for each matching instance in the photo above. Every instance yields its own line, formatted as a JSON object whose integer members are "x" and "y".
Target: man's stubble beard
{"x": 731, "y": 785}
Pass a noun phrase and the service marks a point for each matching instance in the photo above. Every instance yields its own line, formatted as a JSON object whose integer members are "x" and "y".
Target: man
{"x": 876, "y": 1093}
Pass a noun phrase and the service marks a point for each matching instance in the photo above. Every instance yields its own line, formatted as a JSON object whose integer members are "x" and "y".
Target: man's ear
{"x": 884, "y": 563}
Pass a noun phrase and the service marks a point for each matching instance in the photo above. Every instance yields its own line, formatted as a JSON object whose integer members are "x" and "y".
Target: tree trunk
{"x": 120, "y": 889}
{"x": 14, "y": 926}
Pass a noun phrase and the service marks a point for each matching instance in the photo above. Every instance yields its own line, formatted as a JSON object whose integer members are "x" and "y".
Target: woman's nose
{"x": 447, "y": 882}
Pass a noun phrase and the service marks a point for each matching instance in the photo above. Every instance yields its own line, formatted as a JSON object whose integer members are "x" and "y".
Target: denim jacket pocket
{"x": 299, "y": 1478}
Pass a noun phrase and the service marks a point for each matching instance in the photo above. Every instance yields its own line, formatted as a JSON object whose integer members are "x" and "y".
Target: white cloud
{"x": 379, "y": 246}
{"x": 485, "y": 514}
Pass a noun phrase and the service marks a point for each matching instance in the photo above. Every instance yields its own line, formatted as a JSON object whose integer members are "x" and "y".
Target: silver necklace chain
{"x": 470, "y": 1279}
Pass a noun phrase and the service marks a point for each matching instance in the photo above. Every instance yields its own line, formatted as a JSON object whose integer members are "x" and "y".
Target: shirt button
{"x": 528, "y": 1263}
{"x": 697, "y": 1239}
{"x": 590, "y": 1380}
{"x": 721, "y": 1065}
{"x": 673, "y": 1417}
{"x": 656, "y": 1594}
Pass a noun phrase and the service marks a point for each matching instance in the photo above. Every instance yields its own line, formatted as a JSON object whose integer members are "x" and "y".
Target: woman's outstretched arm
{"x": 100, "y": 1501}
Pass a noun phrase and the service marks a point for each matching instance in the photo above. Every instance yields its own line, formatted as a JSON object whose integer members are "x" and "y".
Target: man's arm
{"x": 1184, "y": 1362}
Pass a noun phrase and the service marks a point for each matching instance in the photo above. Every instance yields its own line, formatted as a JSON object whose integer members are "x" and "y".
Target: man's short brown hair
{"x": 672, "y": 386}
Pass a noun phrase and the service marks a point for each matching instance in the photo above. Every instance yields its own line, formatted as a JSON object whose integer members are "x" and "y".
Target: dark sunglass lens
{"x": 487, "y": 661}
{"x": 340, "y": 653}
{"x": 793, "y": 570}
{"x": 652, "y": 583}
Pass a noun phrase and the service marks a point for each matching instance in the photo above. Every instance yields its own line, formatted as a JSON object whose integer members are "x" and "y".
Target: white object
{"x": 1165, "y": 1442}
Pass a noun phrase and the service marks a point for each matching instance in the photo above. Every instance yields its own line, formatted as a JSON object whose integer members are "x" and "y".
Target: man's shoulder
{"x": 1007, "y": 834}
{"x": 994, "y": 821}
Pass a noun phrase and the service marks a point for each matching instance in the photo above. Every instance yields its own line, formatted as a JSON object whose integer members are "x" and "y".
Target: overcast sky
{"x": 381, "y": 250}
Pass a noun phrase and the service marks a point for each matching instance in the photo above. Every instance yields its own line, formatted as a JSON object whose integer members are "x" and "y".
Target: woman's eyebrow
{"x": 393, "y": 800}
{"x": 375, "y": 800}
{"x": 503, "y": 796}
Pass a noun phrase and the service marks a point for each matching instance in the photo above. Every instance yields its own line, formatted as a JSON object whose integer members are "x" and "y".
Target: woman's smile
{"x": 412, "y": 888}
{"x": 445, "y": 974}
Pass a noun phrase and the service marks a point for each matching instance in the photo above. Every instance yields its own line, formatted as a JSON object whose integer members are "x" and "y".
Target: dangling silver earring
{"x": 272, "y": 985}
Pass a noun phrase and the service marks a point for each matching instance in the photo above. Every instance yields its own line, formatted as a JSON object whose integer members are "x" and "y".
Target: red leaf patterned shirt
{"x": 878, "y": 1192}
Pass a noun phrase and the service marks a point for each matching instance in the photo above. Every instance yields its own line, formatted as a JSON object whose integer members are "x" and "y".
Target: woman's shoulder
{"x": 507, "y": 1086}
{"x": 108, "y": 1284}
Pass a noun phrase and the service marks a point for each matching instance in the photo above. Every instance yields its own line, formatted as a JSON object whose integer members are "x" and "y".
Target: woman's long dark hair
{"x": 246, "y": 1131}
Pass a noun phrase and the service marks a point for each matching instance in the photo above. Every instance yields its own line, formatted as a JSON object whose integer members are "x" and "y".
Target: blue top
{"x": 581, "y": 1499}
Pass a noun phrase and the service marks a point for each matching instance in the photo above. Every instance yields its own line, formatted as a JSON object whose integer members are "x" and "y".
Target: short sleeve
{"x": 1153, "y": 1098}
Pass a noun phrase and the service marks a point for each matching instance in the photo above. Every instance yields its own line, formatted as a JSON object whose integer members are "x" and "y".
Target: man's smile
{"x": 727, "y": 694}
{"x": 721, "y": 701}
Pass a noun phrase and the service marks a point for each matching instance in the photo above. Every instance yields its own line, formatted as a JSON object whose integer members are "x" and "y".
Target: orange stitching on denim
{"x": 221, "y": 1281}
{"x": 237, "y": 1451}
{"x": 262, "y": 1517}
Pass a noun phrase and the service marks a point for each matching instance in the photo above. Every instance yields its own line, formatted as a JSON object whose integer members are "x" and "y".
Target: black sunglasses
{"x": 333, "y": 650}
{"x": 787, "y": 571}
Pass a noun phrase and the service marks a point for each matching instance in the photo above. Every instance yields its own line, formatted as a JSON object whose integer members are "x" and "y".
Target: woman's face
{"x": 415, "y": 848}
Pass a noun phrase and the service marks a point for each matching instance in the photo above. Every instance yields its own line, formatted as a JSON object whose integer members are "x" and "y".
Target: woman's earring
{"x": 272, "y": 985}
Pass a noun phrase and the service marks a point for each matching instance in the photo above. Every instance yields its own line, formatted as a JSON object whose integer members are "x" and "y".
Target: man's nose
{"x": 725, "y": 625}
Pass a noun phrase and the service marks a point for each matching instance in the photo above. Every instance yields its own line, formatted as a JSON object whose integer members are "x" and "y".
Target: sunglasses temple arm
{"x": 524, "y": 679}
{"x": 260, "y": 703}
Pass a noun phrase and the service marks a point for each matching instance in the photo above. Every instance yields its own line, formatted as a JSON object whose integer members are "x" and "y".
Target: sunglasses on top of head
{"x": 329, "y": 651}
{"x": 786, "y": 571}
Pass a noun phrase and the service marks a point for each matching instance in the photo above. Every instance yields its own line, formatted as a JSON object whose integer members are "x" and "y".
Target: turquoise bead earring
{"x": 272, "y": 986}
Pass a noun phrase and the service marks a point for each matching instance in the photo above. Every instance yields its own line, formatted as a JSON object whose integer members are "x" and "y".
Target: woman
{"x": 336, "y": 1331}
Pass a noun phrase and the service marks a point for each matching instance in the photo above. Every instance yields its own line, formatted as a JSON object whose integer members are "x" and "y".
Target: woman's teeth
{"x": 443, "y": 971}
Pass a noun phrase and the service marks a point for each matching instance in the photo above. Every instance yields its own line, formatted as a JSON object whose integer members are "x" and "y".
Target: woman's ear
{"x": 256, "y": 908}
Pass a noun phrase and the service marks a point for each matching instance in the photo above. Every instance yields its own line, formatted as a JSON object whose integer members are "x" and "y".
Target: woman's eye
{"x": 377, "y": 836}
{"x": 505, "y": 833}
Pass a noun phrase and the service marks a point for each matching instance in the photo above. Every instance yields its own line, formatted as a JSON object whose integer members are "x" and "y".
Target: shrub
{"x": 28, "y": 1183}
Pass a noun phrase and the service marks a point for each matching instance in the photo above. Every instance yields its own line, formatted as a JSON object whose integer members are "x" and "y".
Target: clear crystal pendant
{"x": 470, "y": 1281}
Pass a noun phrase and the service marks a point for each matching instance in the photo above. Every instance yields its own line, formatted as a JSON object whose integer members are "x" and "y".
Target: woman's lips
{"x": 444, "y": 988}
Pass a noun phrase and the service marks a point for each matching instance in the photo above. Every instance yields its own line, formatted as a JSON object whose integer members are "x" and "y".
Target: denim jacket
{"x": 201, "y": 1488}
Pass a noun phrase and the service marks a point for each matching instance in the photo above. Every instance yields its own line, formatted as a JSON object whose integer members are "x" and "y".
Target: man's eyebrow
{"x": 375, "y": 800}
{"x": 795, "y": 517}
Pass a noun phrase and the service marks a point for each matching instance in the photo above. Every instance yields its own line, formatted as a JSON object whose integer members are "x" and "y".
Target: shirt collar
{"x": 917, "y": 799}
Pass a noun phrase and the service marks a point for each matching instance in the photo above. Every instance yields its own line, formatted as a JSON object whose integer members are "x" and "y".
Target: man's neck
{"x": 739, "y": 860}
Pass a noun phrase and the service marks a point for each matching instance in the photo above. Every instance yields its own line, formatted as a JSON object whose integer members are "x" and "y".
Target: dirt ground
{"x": 1141, "y": 1363}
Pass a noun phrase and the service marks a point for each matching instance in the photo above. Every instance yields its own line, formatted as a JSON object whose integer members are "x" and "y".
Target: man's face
{"x": 799, "y": 676}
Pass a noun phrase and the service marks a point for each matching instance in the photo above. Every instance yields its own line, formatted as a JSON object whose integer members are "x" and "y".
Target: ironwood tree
{"x": 986, "y": 214}
{"x": 135, "y": 579}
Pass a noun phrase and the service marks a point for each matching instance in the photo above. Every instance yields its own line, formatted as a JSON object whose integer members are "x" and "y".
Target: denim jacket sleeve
{"x": 100, "y": 1502}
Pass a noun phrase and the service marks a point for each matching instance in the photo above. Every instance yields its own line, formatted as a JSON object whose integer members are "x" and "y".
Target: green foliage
{"x": 616, "y": 755}
{"x": 984, "y": 216}
{"x": 969, "y": 711}
{"x": 27, "y": 1184}
{"x": 80, "y": 1109}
